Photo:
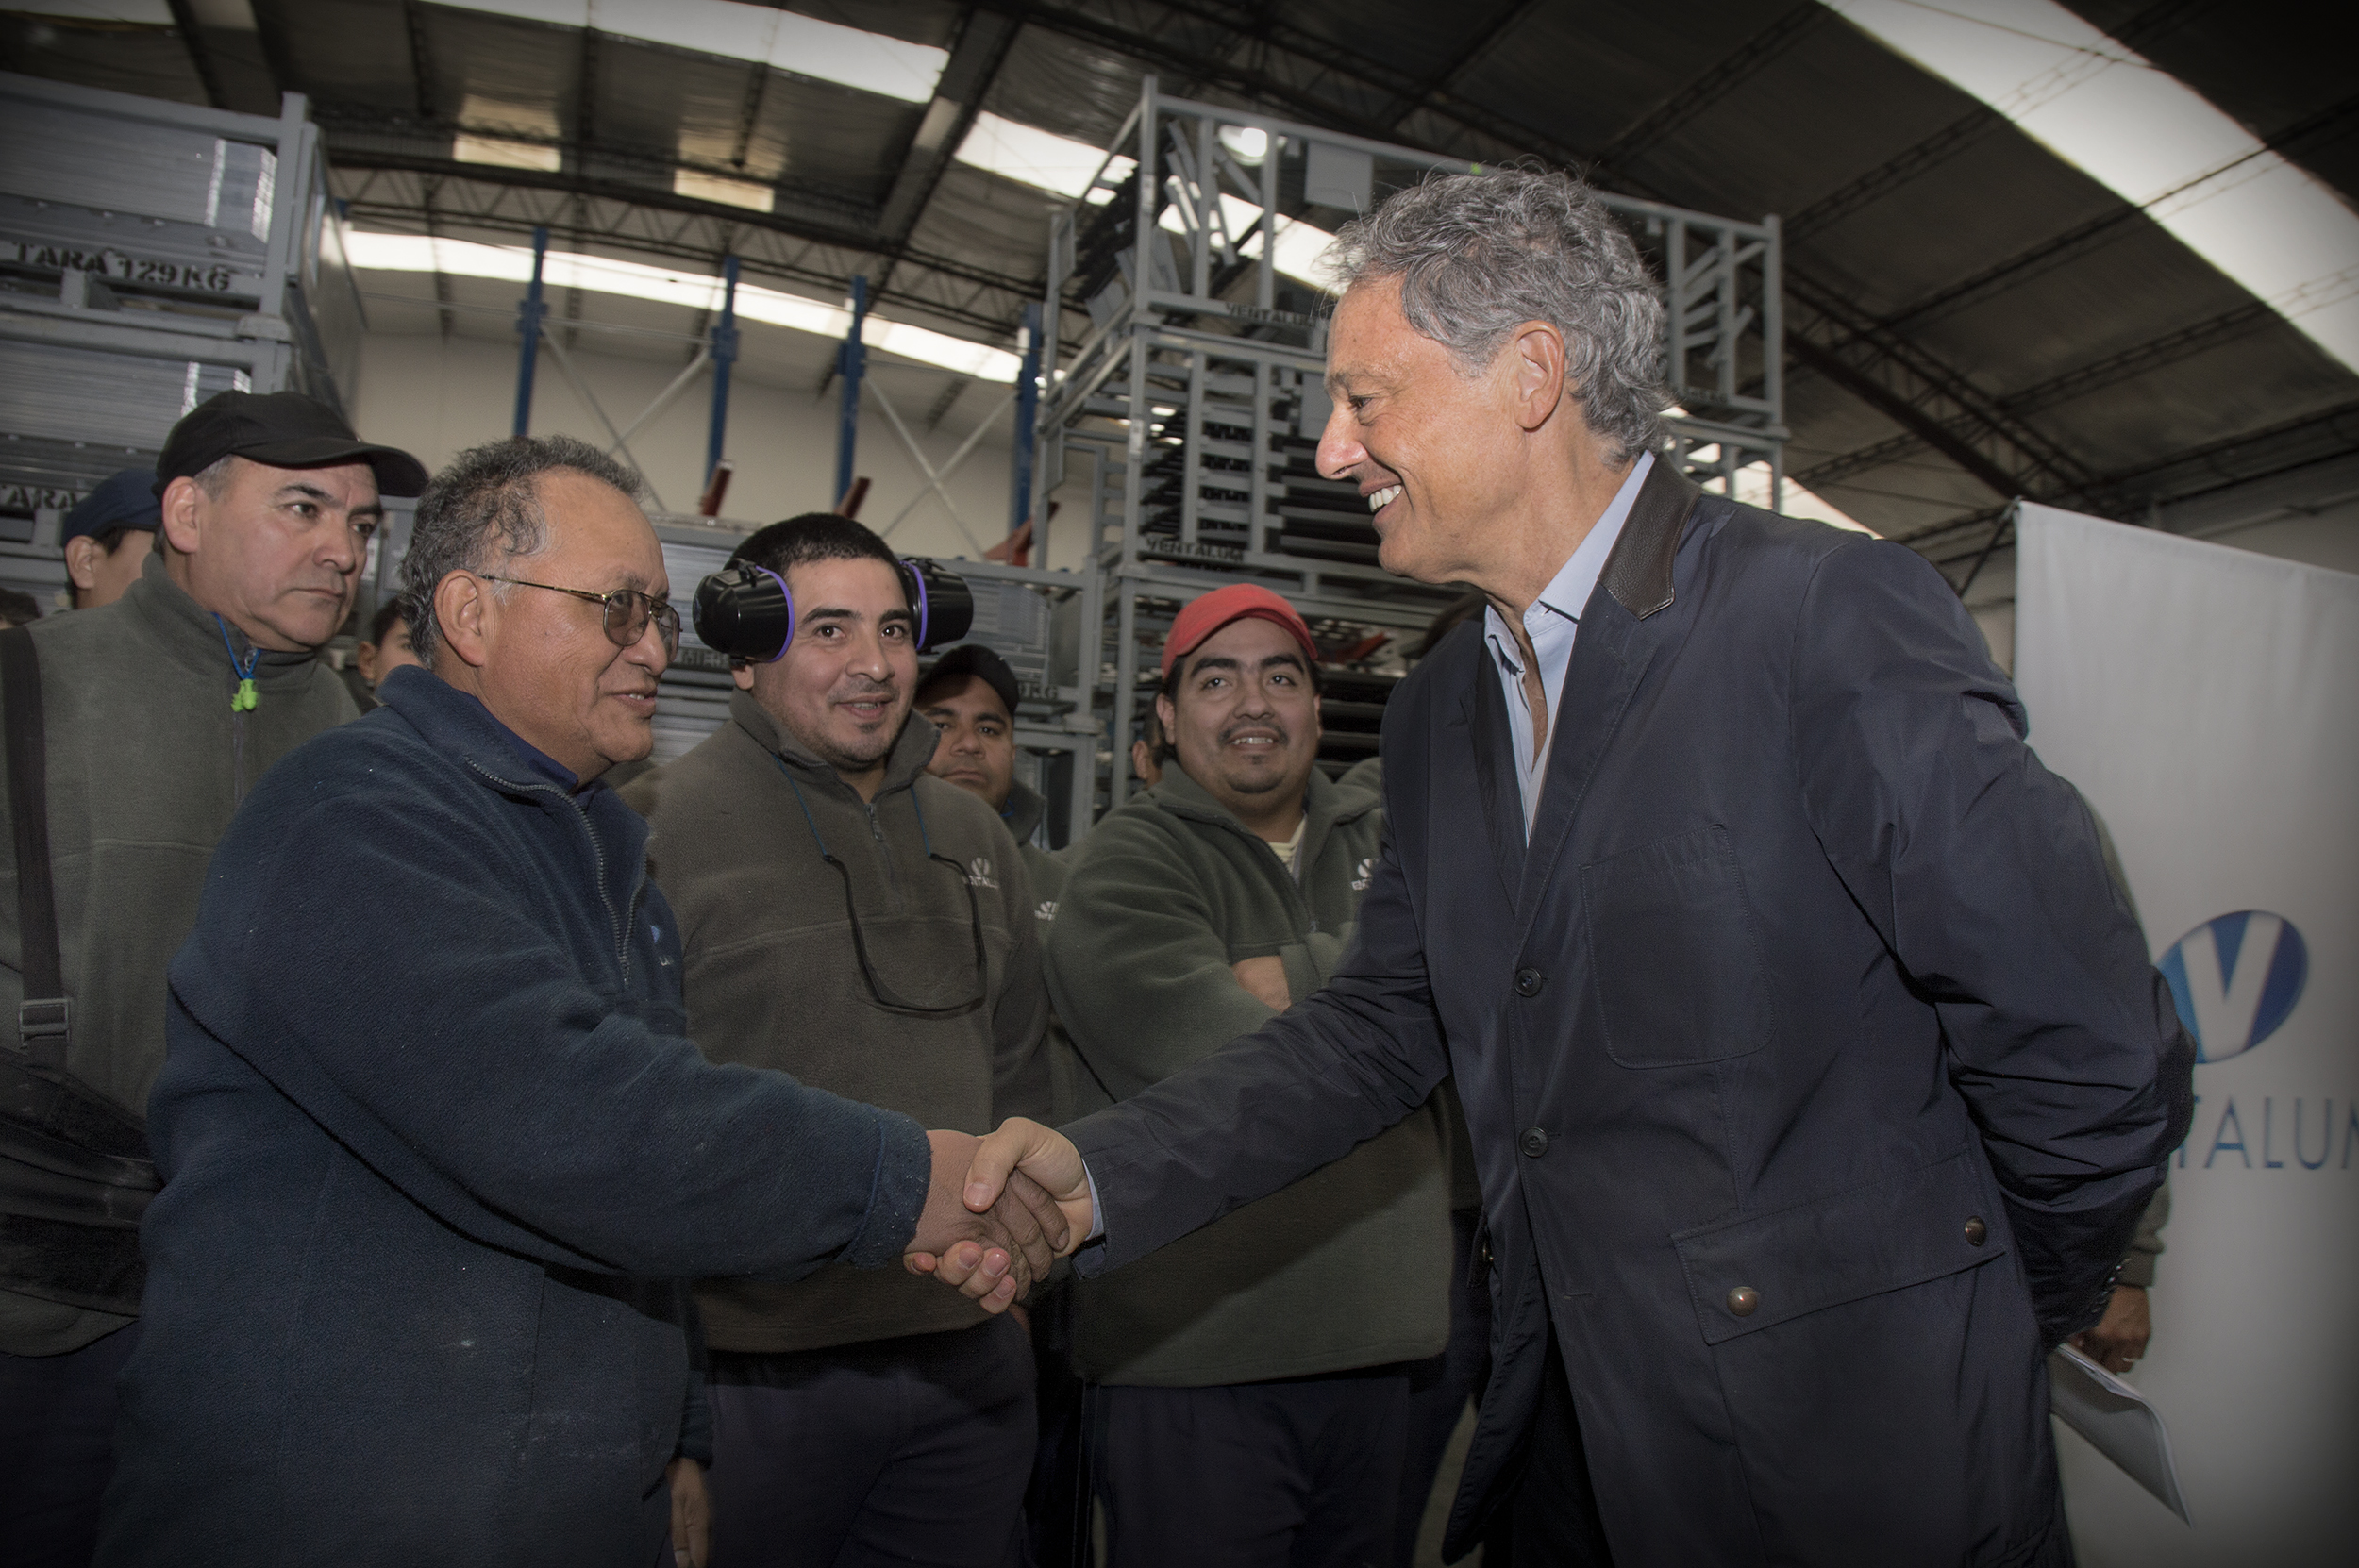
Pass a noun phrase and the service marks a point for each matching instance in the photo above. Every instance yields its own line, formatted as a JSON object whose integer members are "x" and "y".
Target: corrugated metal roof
{"x": 1969, "y": 315}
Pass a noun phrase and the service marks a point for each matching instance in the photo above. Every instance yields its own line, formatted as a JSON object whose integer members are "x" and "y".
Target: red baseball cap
{"x": 1207, "y": 613}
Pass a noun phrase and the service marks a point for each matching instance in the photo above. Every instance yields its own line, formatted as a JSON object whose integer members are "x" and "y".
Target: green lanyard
{"x": 245, "y": 701}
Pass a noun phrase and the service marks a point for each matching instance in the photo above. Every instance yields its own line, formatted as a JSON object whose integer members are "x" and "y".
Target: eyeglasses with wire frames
{"x": 626, "y": 611}
{"x": 886, "y": 998}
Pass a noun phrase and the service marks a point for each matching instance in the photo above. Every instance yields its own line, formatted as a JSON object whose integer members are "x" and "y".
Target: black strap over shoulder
{"x": 74, "y": 1172}
{"x": 45, "y": 1024}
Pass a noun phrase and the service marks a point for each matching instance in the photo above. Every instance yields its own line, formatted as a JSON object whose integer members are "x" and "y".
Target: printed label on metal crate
{"x": 214, "y": 277}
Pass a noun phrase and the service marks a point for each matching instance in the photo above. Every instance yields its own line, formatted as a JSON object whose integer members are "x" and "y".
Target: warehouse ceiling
{"x": 1970, "y": 317}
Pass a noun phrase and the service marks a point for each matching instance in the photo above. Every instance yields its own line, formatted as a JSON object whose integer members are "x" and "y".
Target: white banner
{"x": 2206, "y": 702}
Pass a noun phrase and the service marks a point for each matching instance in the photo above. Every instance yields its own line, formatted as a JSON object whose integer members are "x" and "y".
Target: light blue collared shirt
{"x": 1552, "y": 621}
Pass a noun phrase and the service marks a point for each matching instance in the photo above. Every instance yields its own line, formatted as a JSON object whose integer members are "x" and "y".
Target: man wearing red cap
{"x": 1255, "y": 1395}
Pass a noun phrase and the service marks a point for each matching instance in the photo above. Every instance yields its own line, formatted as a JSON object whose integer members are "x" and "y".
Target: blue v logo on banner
{"x": 2235, "y": 979}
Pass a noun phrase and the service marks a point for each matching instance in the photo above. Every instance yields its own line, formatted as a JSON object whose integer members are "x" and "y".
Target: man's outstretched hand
{"x": 1006, "y": 1243}
{"x": 1026, "y": 1167}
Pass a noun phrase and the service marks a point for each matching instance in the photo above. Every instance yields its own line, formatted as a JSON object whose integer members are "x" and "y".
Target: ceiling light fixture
{"x": 421, "y": 253}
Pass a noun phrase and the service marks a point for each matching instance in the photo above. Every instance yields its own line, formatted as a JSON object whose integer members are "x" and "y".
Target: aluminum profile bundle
{"x": 152, "y": 253}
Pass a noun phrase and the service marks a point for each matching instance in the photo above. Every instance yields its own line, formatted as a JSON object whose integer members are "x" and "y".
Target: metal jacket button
{"x": 1529, "y": 981}
{"x": 1743, "y": 1301}
{"x": 1535, "y": 1141}
{"x": 1976, "y": 1231}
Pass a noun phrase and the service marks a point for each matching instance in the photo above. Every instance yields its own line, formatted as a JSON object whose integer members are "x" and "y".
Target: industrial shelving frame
{"x": 1204, "y": 364}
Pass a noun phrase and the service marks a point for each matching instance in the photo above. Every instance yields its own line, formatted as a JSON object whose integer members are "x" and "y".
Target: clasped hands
{"x": 1000, "y": 1211}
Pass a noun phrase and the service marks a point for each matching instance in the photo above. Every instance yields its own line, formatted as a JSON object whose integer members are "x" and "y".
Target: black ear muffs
{"x": 945, "y": 605}
{"x": 746, "y": 611}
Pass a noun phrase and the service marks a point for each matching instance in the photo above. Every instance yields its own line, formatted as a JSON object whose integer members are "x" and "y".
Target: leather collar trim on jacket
{"x": 1638, "y": 573}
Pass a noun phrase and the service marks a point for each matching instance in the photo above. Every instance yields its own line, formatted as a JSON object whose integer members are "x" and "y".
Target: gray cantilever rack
{"x": 1190, "y": 412}
{"x": 151, "y": 255}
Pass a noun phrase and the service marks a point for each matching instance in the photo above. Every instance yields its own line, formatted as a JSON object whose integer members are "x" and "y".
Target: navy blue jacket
{"x": 435, "y": 1148}
{"x": 1809, "y": 985}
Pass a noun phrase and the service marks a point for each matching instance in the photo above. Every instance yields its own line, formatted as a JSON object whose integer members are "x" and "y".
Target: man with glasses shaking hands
{"x": 852, "y": 920}
{"x": 415, "y": 1287}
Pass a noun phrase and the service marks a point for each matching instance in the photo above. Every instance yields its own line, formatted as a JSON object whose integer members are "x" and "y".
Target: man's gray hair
{"x": 483, "y": 512}
{"x": 1479, "y": 255}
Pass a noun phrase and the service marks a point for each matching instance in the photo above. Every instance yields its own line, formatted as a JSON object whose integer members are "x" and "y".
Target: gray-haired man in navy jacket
{"x": 1815, "y": 1075}
{"x": 414, "y": 1290}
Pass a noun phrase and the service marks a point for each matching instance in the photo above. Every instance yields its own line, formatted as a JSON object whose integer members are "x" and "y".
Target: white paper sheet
{"x": 2117, "y": 1422}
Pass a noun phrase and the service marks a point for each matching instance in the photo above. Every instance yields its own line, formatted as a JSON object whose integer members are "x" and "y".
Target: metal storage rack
{"x": 151, "y": 255}
{"x": 1196, "y": 400}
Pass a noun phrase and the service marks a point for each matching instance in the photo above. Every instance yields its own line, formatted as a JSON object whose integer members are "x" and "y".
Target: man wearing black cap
{"x": 109, "y": 536}
{"x": 969, "y": 694}
{"x": 156, "y": 713}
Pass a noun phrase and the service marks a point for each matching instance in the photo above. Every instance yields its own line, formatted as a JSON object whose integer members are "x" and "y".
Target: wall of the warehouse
{"x": 436, "y": 396}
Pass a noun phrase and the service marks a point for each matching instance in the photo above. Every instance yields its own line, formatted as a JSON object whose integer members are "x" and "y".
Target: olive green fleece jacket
{"x": 1348, "y": 1267}
{"x": 1072, "y": 1091}
{"x": 146, "y": 766}
{"x": 773, "y": 978}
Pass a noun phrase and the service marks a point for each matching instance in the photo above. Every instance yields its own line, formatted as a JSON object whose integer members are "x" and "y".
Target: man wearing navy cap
{"x": 157, "y": 714}
{"x": 109, "y": 536}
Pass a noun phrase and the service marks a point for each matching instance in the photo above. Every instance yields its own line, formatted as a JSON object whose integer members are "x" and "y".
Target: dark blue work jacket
{"x": 438, "y": 1152}
{"x": 1816, "y": 1074}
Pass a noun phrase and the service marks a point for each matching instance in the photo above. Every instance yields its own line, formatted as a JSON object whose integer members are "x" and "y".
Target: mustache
{"x": 866, "y": 688}
{"x": 1255, "y": 727}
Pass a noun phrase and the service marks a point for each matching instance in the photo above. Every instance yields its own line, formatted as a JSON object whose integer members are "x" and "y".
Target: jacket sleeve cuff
{"x": 695, "y": 1431}
{"x": 905, "y": 1168}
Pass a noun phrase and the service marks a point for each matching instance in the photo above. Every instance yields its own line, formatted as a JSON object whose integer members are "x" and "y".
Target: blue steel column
{"x": 529, "y": 312}
{"x": 1026, "y": 411}
{"x": 851, "y": 361}
{"x": 723, "y": 354}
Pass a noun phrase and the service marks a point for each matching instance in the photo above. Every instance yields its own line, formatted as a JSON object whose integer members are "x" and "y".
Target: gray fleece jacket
{"x": 146, "y": 766}
{"x": 1350, "y": 1266}
{"x": 773, "y": 978}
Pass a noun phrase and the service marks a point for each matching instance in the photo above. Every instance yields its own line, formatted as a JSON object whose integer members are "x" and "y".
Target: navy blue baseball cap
{"x": 125, "y": 500}
{"x": 281, "y": 430}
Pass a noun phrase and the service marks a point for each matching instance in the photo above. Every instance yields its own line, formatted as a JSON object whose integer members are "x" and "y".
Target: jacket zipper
{"x": 885, "y": 858}
{"x": 620, "y": 928}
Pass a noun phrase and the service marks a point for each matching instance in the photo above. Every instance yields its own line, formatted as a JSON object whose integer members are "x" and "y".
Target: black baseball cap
{"x": 282, "y": 430}
{"x": 972, "y": 658}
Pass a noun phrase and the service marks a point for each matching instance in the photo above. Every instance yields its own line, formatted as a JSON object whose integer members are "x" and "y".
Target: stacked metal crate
{"x": 151, "y": 255}
{"x": 1188, "y": 418}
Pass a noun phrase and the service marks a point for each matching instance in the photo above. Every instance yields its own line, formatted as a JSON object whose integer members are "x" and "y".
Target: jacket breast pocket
{"x": 1673, "y": 954}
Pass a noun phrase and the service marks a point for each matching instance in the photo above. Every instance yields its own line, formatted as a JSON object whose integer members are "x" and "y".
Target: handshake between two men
{"x": 1000, "y": 1210}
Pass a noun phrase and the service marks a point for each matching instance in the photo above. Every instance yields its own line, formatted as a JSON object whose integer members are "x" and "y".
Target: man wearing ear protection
{"x": 869, "y": 928}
